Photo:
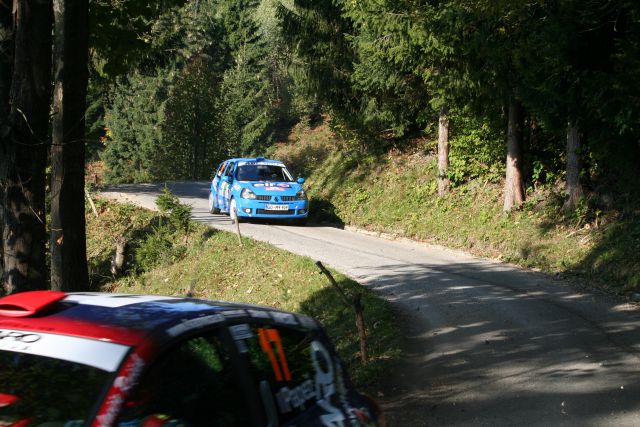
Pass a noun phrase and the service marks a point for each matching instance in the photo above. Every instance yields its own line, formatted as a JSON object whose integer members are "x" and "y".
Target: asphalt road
{"x": 488, "y": 344}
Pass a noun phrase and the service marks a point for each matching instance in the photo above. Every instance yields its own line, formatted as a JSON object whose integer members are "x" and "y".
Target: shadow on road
{"x": 487, "y": 345}
{"x": 182, "y": 189}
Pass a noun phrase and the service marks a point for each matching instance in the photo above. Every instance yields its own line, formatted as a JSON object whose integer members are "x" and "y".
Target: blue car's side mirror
{"x": 300, "y": 180}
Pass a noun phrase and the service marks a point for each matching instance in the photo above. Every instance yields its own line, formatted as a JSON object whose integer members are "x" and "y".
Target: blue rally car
{"x": 257, "y": 188}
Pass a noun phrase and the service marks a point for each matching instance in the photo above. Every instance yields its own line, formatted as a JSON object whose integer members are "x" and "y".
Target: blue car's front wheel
{"x": 212, "y": 204}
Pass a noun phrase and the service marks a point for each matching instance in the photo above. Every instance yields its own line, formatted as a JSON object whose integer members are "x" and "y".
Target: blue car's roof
{"x": 254, "y": 159}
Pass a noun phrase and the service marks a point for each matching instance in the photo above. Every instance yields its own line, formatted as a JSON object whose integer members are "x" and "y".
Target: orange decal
{"x": 268, "y": 336}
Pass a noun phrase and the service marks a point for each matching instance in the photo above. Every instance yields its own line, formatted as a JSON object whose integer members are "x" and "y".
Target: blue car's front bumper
{"x": 250, "y": 208}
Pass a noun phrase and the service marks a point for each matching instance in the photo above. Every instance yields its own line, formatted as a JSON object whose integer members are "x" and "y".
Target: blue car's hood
{"x": 273, "y": 188}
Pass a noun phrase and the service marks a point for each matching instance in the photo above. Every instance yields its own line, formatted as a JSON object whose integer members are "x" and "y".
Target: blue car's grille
{"x": 263, "y": 198}
{"x": 266, "y": 212}
{"x": 288, "y": 198}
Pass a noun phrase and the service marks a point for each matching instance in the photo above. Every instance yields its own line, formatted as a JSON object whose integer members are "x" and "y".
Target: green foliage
{"x": 318, "y": 34}
{"x": 156, "y": 248}
{"x": 133, "y": 128}
{"x": 216, "y": 78}
{"x": 95, "y": 125}
{"x": 400, "y": 62}
{"x": 153, "y": 239}
{"x": 613, "y": 260}
{"x": 401, "y": 67}
{"x": 248, "y": 122}
{"x": 476, "y": 151}
{"x": 162, "y": 119}
{"x": 118, "y": 33}
{"x": 212, "y": 83}
{"x": 256, "y": 91}
{"x": 193, "y": 140}
{"x": 178, "y": 213}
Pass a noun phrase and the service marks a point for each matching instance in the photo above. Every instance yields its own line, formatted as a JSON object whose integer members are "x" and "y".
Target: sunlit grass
{"x": 395, "y": 193}
{"x": 214, "y": 266}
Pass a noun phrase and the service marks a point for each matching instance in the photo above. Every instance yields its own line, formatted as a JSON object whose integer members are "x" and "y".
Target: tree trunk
{"x": 69, "y": 270}
{"x": 514, "y": 185}
{"x": 118, "y": 259}
{"x": 573, "y": 187}
{"x": 443, "y": 153}
{"x": 6, "y": 56}
{"x": 532, "y": 141}
{"x": 24, "y": 232}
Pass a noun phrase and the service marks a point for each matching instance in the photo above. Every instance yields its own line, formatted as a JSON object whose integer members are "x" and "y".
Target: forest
{"x": 524, "y": 92}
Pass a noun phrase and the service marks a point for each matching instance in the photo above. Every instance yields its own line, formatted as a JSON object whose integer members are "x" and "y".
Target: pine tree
{"x": 67, "y": 245}
{"x": 25, "y": 145}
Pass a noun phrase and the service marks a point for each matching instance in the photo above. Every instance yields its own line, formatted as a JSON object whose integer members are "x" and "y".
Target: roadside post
{"x": 356, "y": 303}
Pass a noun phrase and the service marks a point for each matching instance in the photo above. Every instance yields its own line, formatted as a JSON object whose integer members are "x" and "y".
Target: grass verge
{"x": 396, "y": 193}
{"x": 214, "y": 266}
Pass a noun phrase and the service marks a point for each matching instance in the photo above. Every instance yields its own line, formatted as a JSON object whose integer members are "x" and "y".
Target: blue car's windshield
{"x": 262, "y": 172}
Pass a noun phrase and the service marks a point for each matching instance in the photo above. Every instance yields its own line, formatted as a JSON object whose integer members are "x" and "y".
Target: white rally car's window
{"x": 194, "y": 384}
{"x": 103, "y": 355}
{"x": 39, "y": 391}
{"x": 293, "y": 371}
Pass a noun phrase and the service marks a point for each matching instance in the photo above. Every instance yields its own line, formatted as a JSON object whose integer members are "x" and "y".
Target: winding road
{"x": 487, "y": 344}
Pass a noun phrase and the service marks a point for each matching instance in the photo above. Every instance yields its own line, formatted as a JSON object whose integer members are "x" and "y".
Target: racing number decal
{"x": 267, "y": 338}
{"x": 322, "y": 388}
{"x": 325, "y": 387}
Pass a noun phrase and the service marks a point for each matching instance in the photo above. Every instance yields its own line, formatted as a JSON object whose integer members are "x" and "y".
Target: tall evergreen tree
{"x": 250, "y": 101}
{"x": 161, "y": 118}
{"x": 134, "y": 127}
{"x": 514, "y": 192}
{"x": 489, "y": 44}
{"x": 192, "y": 140}
{"x": 69, "y": 269}
{"x": 443, "y": 153}
{"x": 317, "y": 33}
{"x": 6, "y": 64}
{"x": 25, "y": 145}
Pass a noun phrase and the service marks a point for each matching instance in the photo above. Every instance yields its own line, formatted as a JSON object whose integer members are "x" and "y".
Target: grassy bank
{"x": 168, "y": 261}
{"x": 395, "y": 193}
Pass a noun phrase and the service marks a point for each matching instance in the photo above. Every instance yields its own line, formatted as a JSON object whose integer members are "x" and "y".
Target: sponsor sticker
{"x": 271, "y": 186}
{"x": 259, "y": 314}
{"x": 121, "y": 386}
{"x": 261, "y": 164}
{"x": 284, "y": 318}
{"x": 195, "y": 323}
{"x": 307, "y": 322}
{"x": 234, "y": 313}
{"x": 240, "y": 332}
{"x": 320, "y": 388}
{"x": 111, "y": 300}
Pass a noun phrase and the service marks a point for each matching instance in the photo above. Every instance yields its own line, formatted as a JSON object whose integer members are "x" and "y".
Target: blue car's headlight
{"x": 301, "y": 195}
{"x": 247, "y": 194}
